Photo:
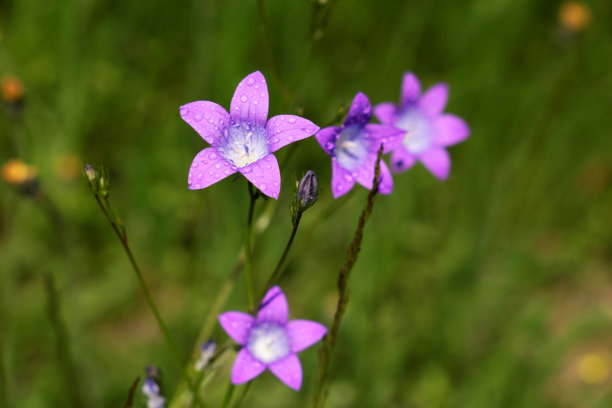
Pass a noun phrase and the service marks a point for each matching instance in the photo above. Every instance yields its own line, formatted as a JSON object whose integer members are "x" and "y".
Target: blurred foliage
{"x": 492, "y": 289}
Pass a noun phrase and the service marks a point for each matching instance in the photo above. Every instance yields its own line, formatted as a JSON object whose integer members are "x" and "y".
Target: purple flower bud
{"x": 308, "y": 190}
{"x": 207, "y": 352}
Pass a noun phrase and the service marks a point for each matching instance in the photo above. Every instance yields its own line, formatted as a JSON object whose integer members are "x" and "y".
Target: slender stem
{"x": 150, "y": 302}
{"x": 277, "y": 271}
{"x": 247, "y": 247}
{"x": 245, "y": 391}
{"x": 228, "y": 395}
{"x": 351, "y": 258}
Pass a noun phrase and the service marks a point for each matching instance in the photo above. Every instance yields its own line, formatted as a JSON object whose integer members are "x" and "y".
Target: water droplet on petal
{"x": 292, "y": 119}
{"x": 200, "y": 176}
{"x": 198, "y": 117}
{"x": 268, "y": 166}
{"x": 244, "y": 98}
{"x": 290, "y": 138}
{"x": 218, "y": 165}
{"x": 198, "y": 186}
{"x": 247, "y": 169}
{"x": 255, "y": 102}
{"x": 263, "y": 186}
{"x": 275, "y": 184}
{"x": 221, "y": 121}
{"x": 212, "y": 156}
{"x": 250, "y": 81}
{"x": 348, "y": 178}
{"x": 217, "y": 175}
{"x": 276, "y": 140}
{"x": 184, "y": 111}
{"x": 329, "y": 145}
{"x": 226, "y": 172}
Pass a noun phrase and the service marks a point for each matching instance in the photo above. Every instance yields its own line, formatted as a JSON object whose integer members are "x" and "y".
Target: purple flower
{"x": 270, "y": 340}
{"x": 354, "y": 147}
{"x": 428, "y": 130}
{"x": 242, "y": 140}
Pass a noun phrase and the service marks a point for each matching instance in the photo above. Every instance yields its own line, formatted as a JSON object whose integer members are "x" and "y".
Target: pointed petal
{"x": 284, "y": 129}
{"x": 327, "y": 138}
{"x": 437, "y": 161}
{"x": 342, "y": 181}
{"x": 449, "y": 130}
{"x": 434, "y": 100}
{"x": 304, "y": 333}
{"x": 411, "y": 90}
{"x": 207, "y": 168}
{"x": 237, "y": 325}
{"x": 289, "y": 371}
{"x": 206, "y": 118}
{"x": 265, "y": 175}
{"x": 250, "y": 101}
{"x": 246, "y": 367}
{"x": 360, "y": 111}
{"x": 386, "y": 113}
{"x": 274, "y": 307}
{"x": 386, "y": 179}
{"x": 401, "y": 160}
{"x": 364, "y": 175}
{"x": 389, "y": 136}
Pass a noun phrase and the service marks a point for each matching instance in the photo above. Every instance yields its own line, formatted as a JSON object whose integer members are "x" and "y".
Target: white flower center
{"x": 350, "y": 149}
{"x": 268, "y": 342}
{"x": 243, "y": 144}
{"x": 419, "y": 134}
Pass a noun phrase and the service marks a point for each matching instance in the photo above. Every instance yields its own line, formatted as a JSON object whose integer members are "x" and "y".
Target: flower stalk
{"x": 343, "y": 296}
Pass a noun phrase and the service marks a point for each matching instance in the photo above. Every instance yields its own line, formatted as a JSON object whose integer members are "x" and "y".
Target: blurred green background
{"x": 492, "y": 289}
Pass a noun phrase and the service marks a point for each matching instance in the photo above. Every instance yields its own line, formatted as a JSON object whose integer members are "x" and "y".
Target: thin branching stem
{"x": 228, "y": 396}
{"x": 343, "y": 296}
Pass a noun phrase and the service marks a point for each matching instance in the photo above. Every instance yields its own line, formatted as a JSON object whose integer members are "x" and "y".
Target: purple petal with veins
{"x": 289, "y": 371}
{"x": 246, "y": 367}
{"x": 207, "y": 118}
{"x": 274, "y": 307}
{"x": 284, "y": 129}
{"x": 250, "y": 101}
{"x": 265, "y": 175}
{"x": 207, "y": 168}
{"x": 237, "y": 325}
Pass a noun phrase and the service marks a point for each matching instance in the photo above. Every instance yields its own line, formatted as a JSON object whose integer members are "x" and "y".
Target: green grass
{"x": 482, "y": 291}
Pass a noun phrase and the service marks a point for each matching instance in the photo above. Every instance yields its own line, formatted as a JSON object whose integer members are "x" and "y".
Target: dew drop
{"x": 184, "y": 111}
{"x": 197, "y": 117}
{"x": 348, "y": 178}
{"x": 212, "y": 156}
{"x": 247, "y": 170}
{"x": 200, "y": 176}
{"x": 263, "y": 186}
{"x": 195, "y": 164}
{"x": 329, "y": 145}
{"x": 276, "y": 140}
{"x": 290, "y": 138}
{"x": 217, "y": 175}
{"x": 292, "y": 119}
{"x": 210, "y": 120}
{"x": 221, "y": 121}
{"x": 244, "y": 98}
{"x": 255, "y": 102}
{"x": 226, "y": 172}
{"x": 250, "y": 81}
{"x": 263, "y": 95}
{"x": 268, "y": 166}
{"x": 218, "y": 165}
{"x": 275, "y": 184}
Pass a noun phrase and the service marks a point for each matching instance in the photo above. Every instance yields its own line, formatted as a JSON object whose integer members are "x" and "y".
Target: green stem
{"x": 247, "y": 247}
{"x": 277, "y": 271}
{"x": 150, "y": 302}
{"x": 351, "y": 258}
{"x": 228, "y": 396}
{"x": 246, "y": 389}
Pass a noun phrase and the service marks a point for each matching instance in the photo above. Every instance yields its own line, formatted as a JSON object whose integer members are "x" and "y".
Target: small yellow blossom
{"x": 17, "y": 172}
{"x": 574, "y": 16}
{"x": 594, "y": 367}
{"x": 12, "y": 89}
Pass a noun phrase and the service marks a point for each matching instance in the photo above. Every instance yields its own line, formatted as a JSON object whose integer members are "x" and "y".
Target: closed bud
{"x": 308, "y": 191}
{"x": 91, "y": 174}
{"x": 207, "y": 352}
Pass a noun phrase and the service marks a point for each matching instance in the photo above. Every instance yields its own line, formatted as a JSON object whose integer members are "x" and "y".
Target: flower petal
{"x": 389, "y": 136}
{"x": 284, "y": 129}
{"x": 274, "y": 307}
{"x": 237, "y": 325}
{"x": 449, "y": 130}
{"x": 246, "y": 367}
{"x": 265, "y": 175}
{"x": 364, "y": 175}
{"x": 360, "y": 111}
{"x": 304, "y": 333}
{"x": 386, "y": 113}
{"x": 327, "y": 138}
{"x": 411, "y": 89}
{"x": 342, "y": 180}
{"x": 207, "y": 168}
{"x": 206, "y": 118}
{"x": 433, "y": 101}
{"x": 437, "y": 161}
{"x": 289, "y": 371}
{"x": 401, "y": 159}
{"x": 250, "y": 101}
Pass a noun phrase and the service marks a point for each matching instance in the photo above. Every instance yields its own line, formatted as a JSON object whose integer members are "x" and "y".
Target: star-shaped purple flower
{"x": 242, "y": 140}
{"x": 428, "y": 130}
{"x": 270, "y": 340}
{"x": 354, "y": 147}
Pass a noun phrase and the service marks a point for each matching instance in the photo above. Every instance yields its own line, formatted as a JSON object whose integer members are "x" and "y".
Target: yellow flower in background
{"x": 12, "y": 89}
{"x": 68, "y": 166}
{"x": 574, "y": 16}
{"x": 594, "y": 367}
{"x": 17, "y": 172}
